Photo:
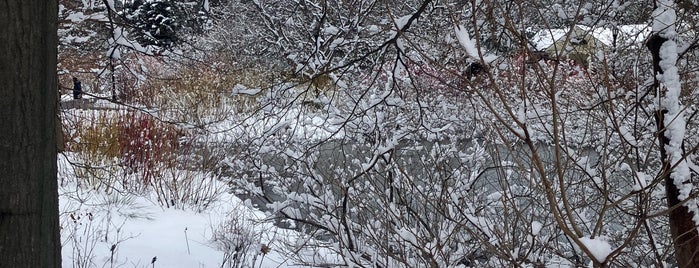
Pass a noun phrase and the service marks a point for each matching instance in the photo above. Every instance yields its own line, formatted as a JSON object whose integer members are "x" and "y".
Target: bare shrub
{"x": 239, "y": 240}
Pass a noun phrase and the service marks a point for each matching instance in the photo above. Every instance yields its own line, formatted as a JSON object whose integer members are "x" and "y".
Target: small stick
{"x": 187, "y": 240}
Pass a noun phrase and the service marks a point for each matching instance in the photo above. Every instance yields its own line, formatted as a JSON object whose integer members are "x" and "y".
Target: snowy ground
{"x": 123, "y": 229}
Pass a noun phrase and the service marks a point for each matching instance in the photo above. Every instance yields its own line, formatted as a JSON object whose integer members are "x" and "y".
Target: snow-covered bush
{"x": 239, "y": 238}
{"x": 425, "y": 134}
{"x": 421, "y": 164}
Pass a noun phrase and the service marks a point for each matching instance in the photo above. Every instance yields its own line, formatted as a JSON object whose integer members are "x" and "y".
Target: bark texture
{"x": 683, "y": 230}
{"x": 29, "y": 232}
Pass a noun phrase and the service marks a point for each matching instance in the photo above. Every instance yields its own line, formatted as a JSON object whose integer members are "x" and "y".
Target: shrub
{"x": 147, "y": 147}
{"x": 239, "y": 241}
{"x": 134, "y": 152}
{"x": 93, "y": 140}
{"x": 132, "y": 140}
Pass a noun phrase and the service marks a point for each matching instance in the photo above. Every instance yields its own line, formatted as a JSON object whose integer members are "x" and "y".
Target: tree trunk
{"x": 683, "y": 229}
{"x": 29, "y": 232}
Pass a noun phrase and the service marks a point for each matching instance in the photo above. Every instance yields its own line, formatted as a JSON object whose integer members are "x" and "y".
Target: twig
{"x": 187, "y": 240}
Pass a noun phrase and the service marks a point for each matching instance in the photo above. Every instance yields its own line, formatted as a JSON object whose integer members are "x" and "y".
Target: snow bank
{"x": 121, "y": 229}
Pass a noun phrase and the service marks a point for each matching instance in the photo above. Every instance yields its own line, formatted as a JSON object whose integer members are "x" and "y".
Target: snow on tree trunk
{"x": 671, "y": 128}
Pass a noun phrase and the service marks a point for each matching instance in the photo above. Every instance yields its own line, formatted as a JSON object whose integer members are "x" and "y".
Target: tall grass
{"x": 198, "y": 95}
{"x": 131, "y": 151}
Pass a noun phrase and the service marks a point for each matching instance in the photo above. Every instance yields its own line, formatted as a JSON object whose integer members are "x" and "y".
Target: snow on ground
{"x": 115, "y": 229}
{"x": 126, "y": 229}
{"x": 140, "y": 231}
